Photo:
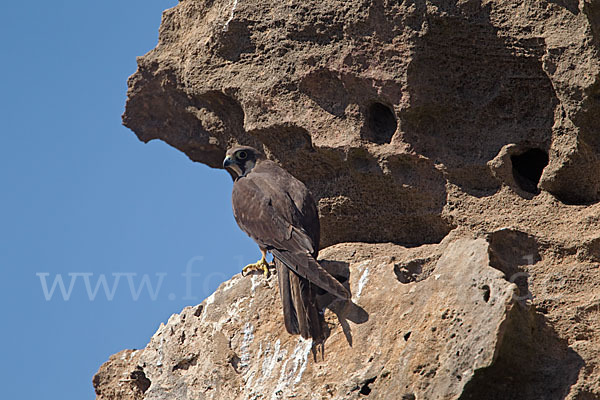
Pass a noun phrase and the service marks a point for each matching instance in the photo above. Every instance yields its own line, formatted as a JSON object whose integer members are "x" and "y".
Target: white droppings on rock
{"x": 209, "y": 300}
{"x": 250, "y": 374}
{"x": 256, "y": 280}
{"x": 226, "y": 26}
{"x": 245, "y": 347}
{"x": 271, "y": 358}
{"x": 363, "y": 279}
{"x": 301, "y": 357}
{"x": 233, "y": 312}
{"x": 231, "y": 283}
{"x": 259, "y": 354}
{"x": 289, "y": 378}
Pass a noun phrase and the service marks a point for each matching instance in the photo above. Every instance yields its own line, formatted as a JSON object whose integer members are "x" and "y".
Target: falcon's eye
{"x": 242, "y": 155}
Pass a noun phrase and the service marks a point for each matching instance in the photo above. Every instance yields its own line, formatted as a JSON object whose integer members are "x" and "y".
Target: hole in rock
{"x": 409, "y": 272}
{"x": 382, "y": 123}
{"x": 407, "y": 336}
{"x": 139, "y": 379}
{"x": 486, "y": 293}
{"x": 198, "y": 311}
{"x": 528, "y": 167}
{"x": 186, "y": 363}
{"x": 235, "y": 362}
{"x": 365, "y": 389}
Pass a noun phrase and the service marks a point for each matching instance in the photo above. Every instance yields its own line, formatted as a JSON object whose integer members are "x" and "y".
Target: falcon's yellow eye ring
{"x": 242, "y": 155}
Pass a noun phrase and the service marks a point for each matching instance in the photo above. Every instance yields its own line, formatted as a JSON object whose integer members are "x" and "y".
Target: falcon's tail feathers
{"x": 290, "y": 317}
{"x": 300, "y": 312}
{"x": 307, "y": 267}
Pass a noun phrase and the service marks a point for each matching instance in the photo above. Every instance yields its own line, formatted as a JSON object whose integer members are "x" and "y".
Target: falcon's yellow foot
{"x": 260, "y": 265}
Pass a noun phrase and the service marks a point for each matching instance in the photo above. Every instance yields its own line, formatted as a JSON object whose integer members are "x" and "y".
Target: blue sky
{"x": 82, "y": 196}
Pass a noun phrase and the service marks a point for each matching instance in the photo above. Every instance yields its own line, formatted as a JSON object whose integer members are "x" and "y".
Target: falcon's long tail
{"x": 298, "y": 297}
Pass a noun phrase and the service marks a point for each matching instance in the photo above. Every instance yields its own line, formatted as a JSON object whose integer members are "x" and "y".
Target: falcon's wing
{"x": 307, "y": 267}
{"x": 265, "y": 208}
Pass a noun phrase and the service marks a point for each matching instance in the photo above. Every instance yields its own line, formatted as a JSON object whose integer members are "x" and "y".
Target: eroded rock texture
{"x": 464, "y": 134}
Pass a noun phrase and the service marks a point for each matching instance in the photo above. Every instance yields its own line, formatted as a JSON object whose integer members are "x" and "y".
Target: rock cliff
{"x": 454, "y": 149}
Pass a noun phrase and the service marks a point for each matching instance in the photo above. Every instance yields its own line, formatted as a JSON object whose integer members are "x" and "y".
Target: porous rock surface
{"x": 454, "y": 149}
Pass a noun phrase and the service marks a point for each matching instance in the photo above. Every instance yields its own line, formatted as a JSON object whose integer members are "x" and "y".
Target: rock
{"x": 428, "y": 339}
{"x": 454, "y": 150}
{"x": 397, "y": 100}
{"x": 121, "y": 377}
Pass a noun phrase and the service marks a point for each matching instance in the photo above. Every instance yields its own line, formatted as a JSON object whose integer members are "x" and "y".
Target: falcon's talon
{"x": 260, "y": 265}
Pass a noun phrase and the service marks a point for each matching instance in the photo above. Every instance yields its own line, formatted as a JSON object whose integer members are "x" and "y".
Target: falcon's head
{"x": 240, "y": 160}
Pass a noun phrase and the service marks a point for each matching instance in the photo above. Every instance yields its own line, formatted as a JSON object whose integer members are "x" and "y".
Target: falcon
{"x": 278, "y": 212}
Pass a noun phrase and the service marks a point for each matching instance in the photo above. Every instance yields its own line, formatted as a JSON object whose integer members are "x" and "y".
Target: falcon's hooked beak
{"x": 233, "y": 167}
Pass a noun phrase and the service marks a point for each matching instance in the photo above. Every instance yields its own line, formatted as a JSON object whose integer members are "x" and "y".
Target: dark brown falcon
{"x": 278, "y": 212}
